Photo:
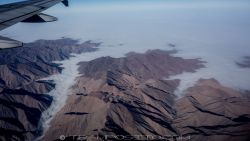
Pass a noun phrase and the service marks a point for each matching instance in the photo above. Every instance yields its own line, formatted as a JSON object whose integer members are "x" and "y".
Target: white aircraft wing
{"x": 26, "y": 11}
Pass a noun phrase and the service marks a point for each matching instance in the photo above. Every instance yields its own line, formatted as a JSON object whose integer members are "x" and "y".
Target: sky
{"x": 202, "y": 3}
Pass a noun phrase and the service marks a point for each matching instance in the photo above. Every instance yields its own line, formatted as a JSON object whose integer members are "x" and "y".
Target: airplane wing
{"x": 26, "y": 11}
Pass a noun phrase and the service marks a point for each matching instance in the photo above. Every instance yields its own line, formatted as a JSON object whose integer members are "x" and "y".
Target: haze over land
{"x": 216, "y": 31}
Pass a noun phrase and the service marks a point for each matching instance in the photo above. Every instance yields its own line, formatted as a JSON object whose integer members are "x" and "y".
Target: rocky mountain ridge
{"x": 116, "y": 97}
{"x": 22, "y": 94}
{"x": 127, "y": 97}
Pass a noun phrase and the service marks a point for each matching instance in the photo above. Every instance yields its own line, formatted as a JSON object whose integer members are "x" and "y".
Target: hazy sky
{"x": 213, "y": 3}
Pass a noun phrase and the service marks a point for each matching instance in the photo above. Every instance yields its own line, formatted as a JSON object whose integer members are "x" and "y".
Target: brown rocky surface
{"x": 210, "y": 111}
{"x": 22, "y": 93}
{"x": 123, "y": 96}
{"x": 127, "y": 96}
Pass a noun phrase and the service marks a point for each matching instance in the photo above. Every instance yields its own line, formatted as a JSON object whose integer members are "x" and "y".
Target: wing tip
{"x": 66, "y": 3}
{"x": 7, "y": 43}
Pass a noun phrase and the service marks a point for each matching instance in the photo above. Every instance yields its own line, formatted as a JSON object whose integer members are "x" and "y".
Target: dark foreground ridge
{"x": 22, "y": 93}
